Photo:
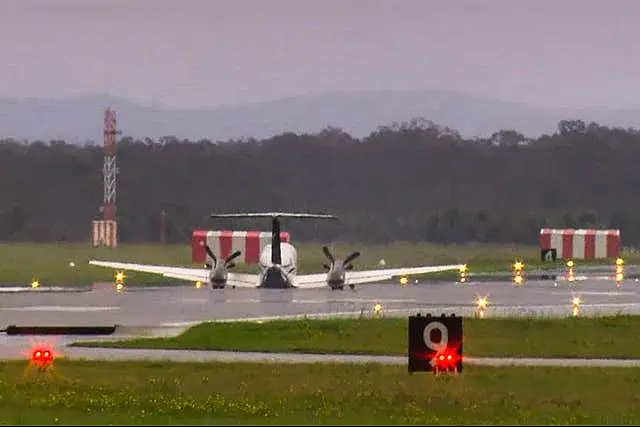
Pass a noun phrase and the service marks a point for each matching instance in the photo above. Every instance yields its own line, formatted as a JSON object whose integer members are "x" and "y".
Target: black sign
{"x": 435, "y": 343}
{"x": 549, "y": 255}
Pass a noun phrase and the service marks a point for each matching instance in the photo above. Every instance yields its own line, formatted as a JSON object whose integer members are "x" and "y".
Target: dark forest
{"x": 413, "y": 181}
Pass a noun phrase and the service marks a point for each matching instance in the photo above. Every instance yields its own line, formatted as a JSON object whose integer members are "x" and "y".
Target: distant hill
{"x": 80, "y": 119}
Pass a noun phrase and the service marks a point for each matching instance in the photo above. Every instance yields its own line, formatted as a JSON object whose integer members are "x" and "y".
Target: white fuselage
{"x": 288, "y": 266}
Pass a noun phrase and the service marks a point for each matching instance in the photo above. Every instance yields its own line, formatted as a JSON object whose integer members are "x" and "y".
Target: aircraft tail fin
{"x": 276, "y": 257}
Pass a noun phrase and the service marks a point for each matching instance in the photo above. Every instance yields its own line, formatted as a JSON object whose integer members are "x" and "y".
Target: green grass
{"x": 49, "y": 263}
{"x": 125, "y": 393}
{"x": 615, "y": 336}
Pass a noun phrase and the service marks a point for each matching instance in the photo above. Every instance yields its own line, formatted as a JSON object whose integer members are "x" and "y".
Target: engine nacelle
{"x": 218, "y": 272}
{"x": 336, "y": 270}
{"x": 218, "y": 279}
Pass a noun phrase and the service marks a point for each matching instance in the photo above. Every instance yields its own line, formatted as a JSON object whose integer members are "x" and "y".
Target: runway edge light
{"x": 575, "y": 305}
{"x": 570, "y": 270}
{"x": 619, "y": 270}
{"x": 481, "y": 303}
{"x": 463, "y": 273}
{"x": 435, "y": 344}
{"x": 518, "y": 277}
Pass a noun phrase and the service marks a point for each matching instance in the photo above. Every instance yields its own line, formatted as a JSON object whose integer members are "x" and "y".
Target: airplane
{"x": 277, "y": 265}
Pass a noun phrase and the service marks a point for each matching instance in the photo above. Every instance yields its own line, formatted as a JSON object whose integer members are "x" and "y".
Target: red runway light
{"x": 41, "y": 355}
{"x": 446, "y": 359}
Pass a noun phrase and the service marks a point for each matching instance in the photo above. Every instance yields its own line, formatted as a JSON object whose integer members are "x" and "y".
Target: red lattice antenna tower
{"x": 109, "y": 170}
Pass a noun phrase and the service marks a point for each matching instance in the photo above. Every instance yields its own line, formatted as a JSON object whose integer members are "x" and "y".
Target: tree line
{"x": 411, "y": 181}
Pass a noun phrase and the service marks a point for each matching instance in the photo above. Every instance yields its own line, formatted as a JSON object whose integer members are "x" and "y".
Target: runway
{"x": 167, "y": 310}
{"x": 185, "y": 305}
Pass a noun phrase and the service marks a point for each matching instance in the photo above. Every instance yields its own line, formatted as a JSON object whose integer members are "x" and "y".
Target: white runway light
{"x": 481, "y": 303}
{"x": 377, "y": 309}
{"x": 576, "y": 301}
{"x": 575, "y": 304}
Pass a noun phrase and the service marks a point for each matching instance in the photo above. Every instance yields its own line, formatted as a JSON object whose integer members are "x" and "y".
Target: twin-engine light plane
{"x": 278, "y": 262}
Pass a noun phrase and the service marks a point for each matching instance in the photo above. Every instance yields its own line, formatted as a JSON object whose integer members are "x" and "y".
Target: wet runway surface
{"x": 184, "y": 305}
{"x": 154, "y": 311}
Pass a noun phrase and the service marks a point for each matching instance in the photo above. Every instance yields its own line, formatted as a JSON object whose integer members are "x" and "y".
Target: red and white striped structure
{"x": 225, "y": 242}
{"x": 581, "y": 244}
{"x": 104, "y": 233}
{"x": 109, "y": 168}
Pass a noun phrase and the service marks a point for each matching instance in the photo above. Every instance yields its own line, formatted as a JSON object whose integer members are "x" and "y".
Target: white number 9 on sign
{"x": 444, "y": 336}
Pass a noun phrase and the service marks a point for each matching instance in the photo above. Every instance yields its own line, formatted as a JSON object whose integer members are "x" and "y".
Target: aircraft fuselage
{"x": 274, "y": 276}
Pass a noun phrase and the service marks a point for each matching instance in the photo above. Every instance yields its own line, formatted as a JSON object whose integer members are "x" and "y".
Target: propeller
{"x": 213, "y": 257}
{"x": 345, "y": 264}
{"x": 218, "y": 271}
{"x": 337, "y": 268}
{"x": 327, "y": 253}
{"x": 347, "y": 261}
{"x": 227, "y": 262}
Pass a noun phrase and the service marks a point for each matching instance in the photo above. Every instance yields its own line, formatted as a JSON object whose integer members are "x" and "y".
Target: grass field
{"x": 125, "y": 393}
{"x": 49, "y": 263}
{"x": 615, "y": 336}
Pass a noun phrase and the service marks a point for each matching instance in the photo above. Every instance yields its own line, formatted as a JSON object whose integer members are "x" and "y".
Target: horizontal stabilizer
{"x": 275, "y": 215}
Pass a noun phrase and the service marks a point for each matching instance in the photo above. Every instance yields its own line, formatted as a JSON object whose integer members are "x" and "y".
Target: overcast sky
{"x": 193, "y": 53}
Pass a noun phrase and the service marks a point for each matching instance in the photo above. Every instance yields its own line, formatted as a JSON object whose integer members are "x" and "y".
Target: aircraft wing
{"x": 368, "y": 276}
{"x": 319, "y": 280}
{"x": 242, "y": 280}
{"x": 182, "y": 273}
{"x": 310, "y": 281}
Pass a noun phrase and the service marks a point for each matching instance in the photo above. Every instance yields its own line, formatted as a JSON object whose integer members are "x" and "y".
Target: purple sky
{"x": 193, "y": 53}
